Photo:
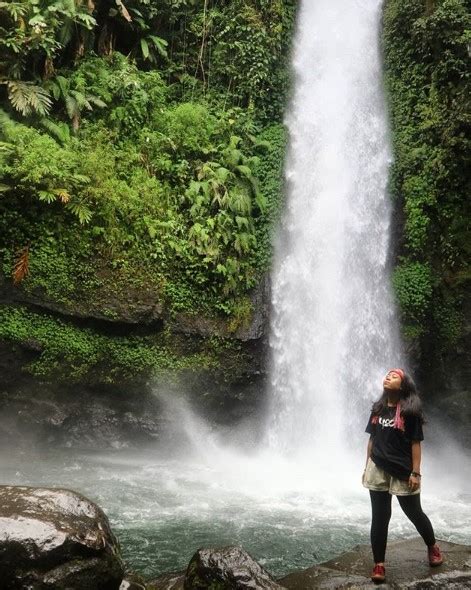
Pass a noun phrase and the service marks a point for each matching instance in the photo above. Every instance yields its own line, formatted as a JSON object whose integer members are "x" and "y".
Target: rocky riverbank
{"x": 57, "y": 539}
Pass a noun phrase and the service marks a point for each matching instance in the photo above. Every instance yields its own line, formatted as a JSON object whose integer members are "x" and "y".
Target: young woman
{"x": 393, "y": 465}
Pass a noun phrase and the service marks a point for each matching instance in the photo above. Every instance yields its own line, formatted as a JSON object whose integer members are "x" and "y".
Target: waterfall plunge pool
{"x": 288, "y": 514}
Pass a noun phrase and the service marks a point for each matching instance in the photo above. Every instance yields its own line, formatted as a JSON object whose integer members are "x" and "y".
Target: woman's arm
{"x": 414, "y": 481}
{"x": 416, "y": 456}
{"x": 369, "y": 449}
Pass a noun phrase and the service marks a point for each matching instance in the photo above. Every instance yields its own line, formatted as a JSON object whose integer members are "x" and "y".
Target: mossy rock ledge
{"x": 74, "y": 379}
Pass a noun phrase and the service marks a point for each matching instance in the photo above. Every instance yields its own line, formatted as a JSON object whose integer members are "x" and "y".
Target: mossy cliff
{"x": 141, "y": 162}
{"x": 141, "y": 180}
{"x": 426, "y": 54}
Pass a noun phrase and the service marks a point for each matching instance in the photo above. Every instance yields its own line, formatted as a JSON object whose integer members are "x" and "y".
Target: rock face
{"x": 78, "y": 418}
{"x": 226, "y": 568}
{"x": 144, "y": 306}
{"x": 406, "y": 569}
{"x": 55, "y": 539}
{"x": 139, "y": 416}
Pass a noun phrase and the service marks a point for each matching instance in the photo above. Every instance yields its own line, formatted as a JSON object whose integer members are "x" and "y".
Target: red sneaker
{"x": 379, "y": 574}
{"x": 435, "y": 556}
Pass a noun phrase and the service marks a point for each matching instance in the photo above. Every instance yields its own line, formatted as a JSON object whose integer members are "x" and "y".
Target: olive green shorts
{"x": 376, "y": 479}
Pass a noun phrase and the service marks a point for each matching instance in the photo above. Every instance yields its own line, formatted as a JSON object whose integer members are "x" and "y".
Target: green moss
{"x": 72, "y": 353}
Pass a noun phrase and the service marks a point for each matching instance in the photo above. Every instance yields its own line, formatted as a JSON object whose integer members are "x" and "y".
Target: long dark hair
{"x": 411, "y": 404}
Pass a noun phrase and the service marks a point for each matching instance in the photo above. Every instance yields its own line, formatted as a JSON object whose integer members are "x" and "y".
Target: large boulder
{"x": 55, "y": 539}
{"x": 228, "y": 568}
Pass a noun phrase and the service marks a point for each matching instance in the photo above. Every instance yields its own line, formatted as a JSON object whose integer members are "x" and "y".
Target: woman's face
{"x": 392, "y": 381}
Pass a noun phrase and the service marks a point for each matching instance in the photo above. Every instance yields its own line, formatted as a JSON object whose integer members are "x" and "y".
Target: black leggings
{"x": 381, "y": 507}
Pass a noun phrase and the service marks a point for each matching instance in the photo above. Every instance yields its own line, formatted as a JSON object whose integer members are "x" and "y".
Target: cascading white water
{"x": 334, "y": 330}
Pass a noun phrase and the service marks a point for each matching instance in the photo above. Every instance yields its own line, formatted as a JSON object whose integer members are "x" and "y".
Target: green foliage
{"x": 413, "y": 286}
{"x": 35, "y": 166}
{"x": 28, "y": 98}
{"x": 73, "y": 354}
{"x": 248, "y": 46}
{"x": 234, "y": 50}
{"x": 135, "y": 162}
{"x": 271, "y": 147}
{"x": 32, "y": 35}
{"x": 427, "y": 73}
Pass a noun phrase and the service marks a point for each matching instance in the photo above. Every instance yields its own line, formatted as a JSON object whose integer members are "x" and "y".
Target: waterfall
{"x": 334, "y": 330}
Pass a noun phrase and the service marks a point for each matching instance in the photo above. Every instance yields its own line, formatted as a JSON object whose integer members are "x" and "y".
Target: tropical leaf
{"x": 46, "y": 196}
{"x": 28, "y": 98}
{"x": 261, "y": 201}
{"x": 59, "y": 131}
{"x": 80, "y": 99}
{"x": 63, "y": 84}
{"x": 81, "y": 211}
{"x": 244, "y": 170}
{"x": 160, "y": 44}
{"x": 97, "y": 101}
{"x": 222, "y": 173}
{"x": 71, "y": 106}
{"x": 15, "y": 9}
{"x": 37, "y": 19}
{"x": 86, "y": 19}
{"x": 145, "y": 49}
{"x": 242, "y": 222}
{"x": 62, "y": 195}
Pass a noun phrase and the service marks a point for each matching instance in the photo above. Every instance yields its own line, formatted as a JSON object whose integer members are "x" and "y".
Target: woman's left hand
{"x": 414, "y": 483}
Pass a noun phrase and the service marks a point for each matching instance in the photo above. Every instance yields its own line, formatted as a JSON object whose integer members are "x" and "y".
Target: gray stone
{"x": 227, "y": 568}
{"x": 55, "y": 539}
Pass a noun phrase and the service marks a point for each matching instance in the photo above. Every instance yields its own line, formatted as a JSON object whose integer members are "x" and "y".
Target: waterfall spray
{"x": 334, "y": 330}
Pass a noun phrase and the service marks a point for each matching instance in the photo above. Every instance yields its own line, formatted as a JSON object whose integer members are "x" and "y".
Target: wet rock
{"x": 55, "y": 539}
{"x": 171, "y": 581}
{"x": 406, "y": 569}
{"x": 229, "y": 568}
{"x": 79, "y": 418}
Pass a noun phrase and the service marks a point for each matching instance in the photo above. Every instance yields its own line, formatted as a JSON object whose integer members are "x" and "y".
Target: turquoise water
{"x": 164, "y": 509}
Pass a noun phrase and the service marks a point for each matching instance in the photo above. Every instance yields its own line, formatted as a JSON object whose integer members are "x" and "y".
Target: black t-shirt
{"x": 392, "y": 448}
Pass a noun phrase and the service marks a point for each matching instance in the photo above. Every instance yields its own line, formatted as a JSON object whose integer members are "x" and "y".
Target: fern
{"x": 59, "y": 131}
{"x": 81, "y": 211}
{"x": 28, "y": 98}
{"x": 46, "y": 196}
